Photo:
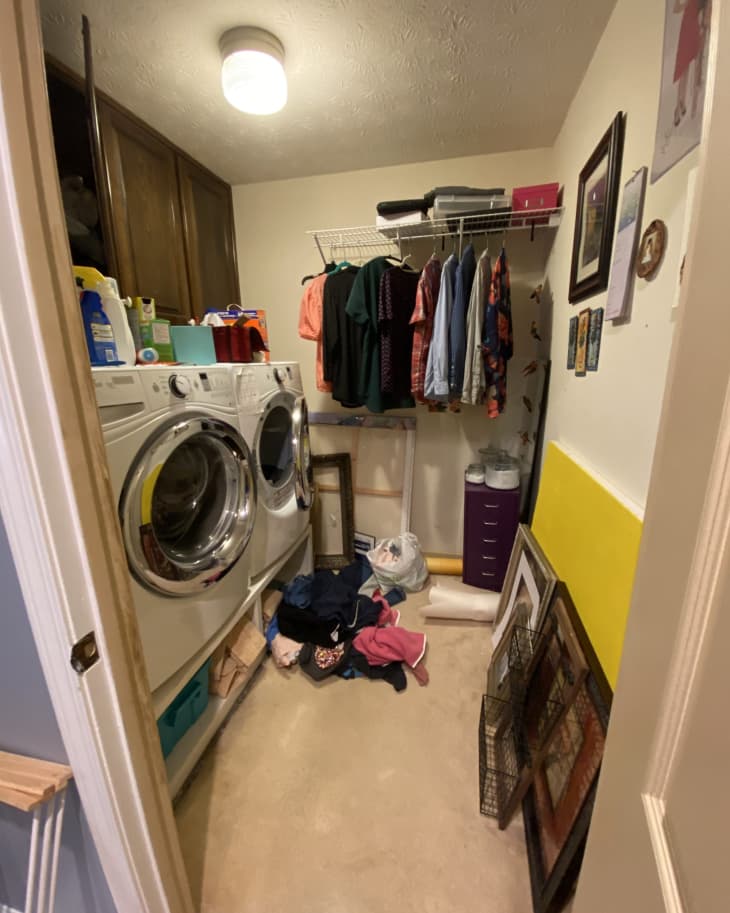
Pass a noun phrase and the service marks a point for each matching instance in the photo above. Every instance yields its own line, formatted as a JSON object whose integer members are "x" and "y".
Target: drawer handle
{"x": 488, "y": 574}
{"x": 489, "y": 540}
{"x": 493, "y": 506}
{"x": 489, "y": 557}
{"x": 490, "y": 523}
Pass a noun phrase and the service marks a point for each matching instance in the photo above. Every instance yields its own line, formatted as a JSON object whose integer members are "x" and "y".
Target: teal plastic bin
{"x": 187, "y": 707}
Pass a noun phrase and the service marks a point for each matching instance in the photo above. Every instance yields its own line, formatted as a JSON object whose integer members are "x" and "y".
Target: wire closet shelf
{"x": 456, "y": 227}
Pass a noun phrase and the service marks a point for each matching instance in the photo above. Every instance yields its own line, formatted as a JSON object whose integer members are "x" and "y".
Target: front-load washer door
{"x": 275, "y": 451}
{"x": 188, "y": 505}
{"x": 303, "y": 473}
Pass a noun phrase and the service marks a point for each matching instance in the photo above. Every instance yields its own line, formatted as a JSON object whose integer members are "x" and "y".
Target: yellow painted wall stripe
{"x": 592, "y": 541}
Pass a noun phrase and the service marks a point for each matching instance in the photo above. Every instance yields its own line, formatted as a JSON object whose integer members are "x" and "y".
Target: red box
{"x": 539, "y": 196}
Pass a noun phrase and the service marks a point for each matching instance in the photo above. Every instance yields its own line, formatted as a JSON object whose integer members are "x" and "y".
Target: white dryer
{"x": 185, "y": 487}
{"x": 275, "y": 422}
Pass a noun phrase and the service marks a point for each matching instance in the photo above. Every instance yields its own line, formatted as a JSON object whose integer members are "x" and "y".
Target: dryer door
{"x": 303, "y": 474}
{"x": 188, "y": 505}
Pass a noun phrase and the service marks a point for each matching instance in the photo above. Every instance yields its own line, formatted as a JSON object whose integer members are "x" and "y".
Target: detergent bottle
{"x": 117, "y": 313}
{"x": 99, "y": 332}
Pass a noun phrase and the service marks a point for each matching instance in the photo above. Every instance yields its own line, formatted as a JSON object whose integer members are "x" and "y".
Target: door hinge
{"x": 84, "y": 653}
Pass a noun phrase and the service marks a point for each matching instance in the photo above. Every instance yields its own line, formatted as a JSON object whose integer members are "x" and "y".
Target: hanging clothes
{"x": 342, "y": 339}
{"x": 422, "y": 319}
{"x": 395, "y": 305}
{"x": 474, "y": 387}
{"x": 436, "y": 384}
{"x": 310, "y": 324}
{"x": 457, "y": 324}
{"x": 362, "y": 307}
{"x": 497, "y": 343}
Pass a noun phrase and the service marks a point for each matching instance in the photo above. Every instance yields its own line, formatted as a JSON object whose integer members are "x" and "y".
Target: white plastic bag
{"x": 399, "y": 562}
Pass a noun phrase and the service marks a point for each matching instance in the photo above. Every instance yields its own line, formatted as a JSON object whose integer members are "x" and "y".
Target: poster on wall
{"x": 684, "y": 76}
{"x": 624, "y": 255}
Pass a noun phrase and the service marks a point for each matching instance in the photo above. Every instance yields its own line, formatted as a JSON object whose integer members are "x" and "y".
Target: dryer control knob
{"x": 180, "y": 385}
{"x": 279, "y": 376}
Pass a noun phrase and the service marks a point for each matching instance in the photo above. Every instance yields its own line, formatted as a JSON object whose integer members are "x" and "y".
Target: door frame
{"x": 57, "y": 506}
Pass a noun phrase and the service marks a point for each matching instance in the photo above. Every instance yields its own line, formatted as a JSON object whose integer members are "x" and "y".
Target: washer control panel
{"x": 175, "y": 385}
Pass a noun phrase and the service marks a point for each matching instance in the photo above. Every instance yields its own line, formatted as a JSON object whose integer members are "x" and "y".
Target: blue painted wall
{"x": 28, "y": 726}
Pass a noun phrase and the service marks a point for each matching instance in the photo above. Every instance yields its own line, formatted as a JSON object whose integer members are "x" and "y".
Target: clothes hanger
{"x": 328, "y": 268}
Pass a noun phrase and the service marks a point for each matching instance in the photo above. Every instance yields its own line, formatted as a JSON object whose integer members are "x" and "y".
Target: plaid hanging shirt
{"x": 497, "y": 343}
{"x": 422, "y": 319}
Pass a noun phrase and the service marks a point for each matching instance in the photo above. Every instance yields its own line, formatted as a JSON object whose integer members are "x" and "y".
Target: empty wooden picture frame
{"x": 332, "y": 514}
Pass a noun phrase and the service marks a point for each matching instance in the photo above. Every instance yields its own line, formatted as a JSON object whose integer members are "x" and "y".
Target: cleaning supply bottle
{"x": 117, "y": 314}
{"x": 99, "y": 332}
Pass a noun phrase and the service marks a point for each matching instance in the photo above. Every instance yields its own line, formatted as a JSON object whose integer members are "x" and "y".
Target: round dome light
{"x": 253, "y": 74}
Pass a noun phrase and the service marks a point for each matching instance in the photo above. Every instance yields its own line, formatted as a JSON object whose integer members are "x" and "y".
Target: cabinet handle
{"x": 489, "y": 557}
{"x": 493, "y": 506}
{"x": 488, "y": 574}
{"x": 490, "y": 523}
{"x": 489, "y": 540}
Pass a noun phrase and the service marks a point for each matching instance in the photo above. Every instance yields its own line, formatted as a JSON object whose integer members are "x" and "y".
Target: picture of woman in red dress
{"x": 690, "y": 47}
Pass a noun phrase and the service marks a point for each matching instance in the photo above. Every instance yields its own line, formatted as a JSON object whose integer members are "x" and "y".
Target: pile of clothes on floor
{"x": 340, "y": 623}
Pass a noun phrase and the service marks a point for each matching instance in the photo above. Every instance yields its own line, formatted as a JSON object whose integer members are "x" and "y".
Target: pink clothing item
{"x": 388, "y": 615}
{"x": 310, "y": 324}
{"x": 390, "y": 645}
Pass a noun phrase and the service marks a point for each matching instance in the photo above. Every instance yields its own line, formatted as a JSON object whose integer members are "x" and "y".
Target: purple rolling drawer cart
{"x": 491, "y": 517}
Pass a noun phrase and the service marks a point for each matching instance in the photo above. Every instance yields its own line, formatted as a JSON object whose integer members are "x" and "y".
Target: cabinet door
{"x": 146, "y": 214}
{"x": 209, "y": 240}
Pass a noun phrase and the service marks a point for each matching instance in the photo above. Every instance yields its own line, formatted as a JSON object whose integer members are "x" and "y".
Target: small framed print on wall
{"x": 572, "y": 342}
{"x": 595, "y": 215}
{"x": 595, "y": 328}
{"x": 584, "y": 320}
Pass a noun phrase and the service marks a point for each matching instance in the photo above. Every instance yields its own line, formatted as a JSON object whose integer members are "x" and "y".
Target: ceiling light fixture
{"x": 253, "y": 74}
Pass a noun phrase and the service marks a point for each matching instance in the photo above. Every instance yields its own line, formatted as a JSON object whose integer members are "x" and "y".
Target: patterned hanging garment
{"x": 497, "y": 343}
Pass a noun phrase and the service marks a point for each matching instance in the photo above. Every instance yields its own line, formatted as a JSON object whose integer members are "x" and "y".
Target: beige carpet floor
{"x": 346, "y": 797}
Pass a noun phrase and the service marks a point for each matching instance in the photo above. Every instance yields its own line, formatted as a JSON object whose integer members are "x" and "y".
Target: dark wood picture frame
{"x": 551, "y": 885}
{"x": 343, "y": 463}
{"x": 611, "y": 148}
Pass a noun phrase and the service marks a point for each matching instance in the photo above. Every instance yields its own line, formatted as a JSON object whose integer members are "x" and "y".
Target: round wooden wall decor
{"x": 651, "y": 249}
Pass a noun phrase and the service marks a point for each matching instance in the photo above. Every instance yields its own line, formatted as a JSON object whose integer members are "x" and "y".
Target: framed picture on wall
{"x": 572, "y": 342}
{"x": 595, "y": 328}
{"x": 595, "y": 214}
{"x": 584, "y": 323}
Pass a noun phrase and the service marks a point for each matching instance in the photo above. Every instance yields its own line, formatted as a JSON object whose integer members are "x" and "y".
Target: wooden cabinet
{"x": 207, "y": 211}
{"x": 146, "y": 214}
{"x": 170, "y": 228}
{"x": 491, "y": 517}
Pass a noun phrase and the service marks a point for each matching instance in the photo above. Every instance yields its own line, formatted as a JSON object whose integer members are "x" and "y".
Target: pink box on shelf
{"x": 539, "y": 196}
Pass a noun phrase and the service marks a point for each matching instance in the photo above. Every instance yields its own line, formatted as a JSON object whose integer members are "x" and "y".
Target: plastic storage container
{"x": 535, "y": 197}
{"x": 453, "y": 206}
{"x": 185, "y": 710}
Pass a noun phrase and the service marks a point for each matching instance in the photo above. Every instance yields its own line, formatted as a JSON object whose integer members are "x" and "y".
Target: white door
{"x": 659, "y": 838}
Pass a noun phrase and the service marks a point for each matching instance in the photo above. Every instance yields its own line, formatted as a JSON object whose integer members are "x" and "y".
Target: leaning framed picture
{"x": 558, "y": 804}
{"x": 595, "y": 214}
{"x": 526, "y": 594}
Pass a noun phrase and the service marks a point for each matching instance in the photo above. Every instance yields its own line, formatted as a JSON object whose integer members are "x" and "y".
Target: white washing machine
{"x": 275, "y": 423}
{"x": 185, "y": 486}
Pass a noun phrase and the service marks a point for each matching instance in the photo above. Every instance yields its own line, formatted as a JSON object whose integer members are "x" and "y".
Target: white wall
{"x": 610, "y": 418}
{"x": 274, "y": 253}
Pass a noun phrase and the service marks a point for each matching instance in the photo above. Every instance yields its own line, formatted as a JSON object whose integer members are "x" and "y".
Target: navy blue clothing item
{"x": 334, "y": 611}
{"x": 396, "y": 595}
{"x": 457, "y": 327}
{"x": 299, "y": 591}
{"x": 272, "y": 630}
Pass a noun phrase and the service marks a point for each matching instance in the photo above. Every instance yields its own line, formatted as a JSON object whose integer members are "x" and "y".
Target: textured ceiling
{"x": 371, "y": 82}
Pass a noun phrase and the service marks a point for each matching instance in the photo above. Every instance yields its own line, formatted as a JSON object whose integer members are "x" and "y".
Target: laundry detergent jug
{"x": 99, "y": 332}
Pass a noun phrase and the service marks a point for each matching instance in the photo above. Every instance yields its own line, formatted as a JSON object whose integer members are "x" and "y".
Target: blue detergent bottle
{"x": 99, "y": 332}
